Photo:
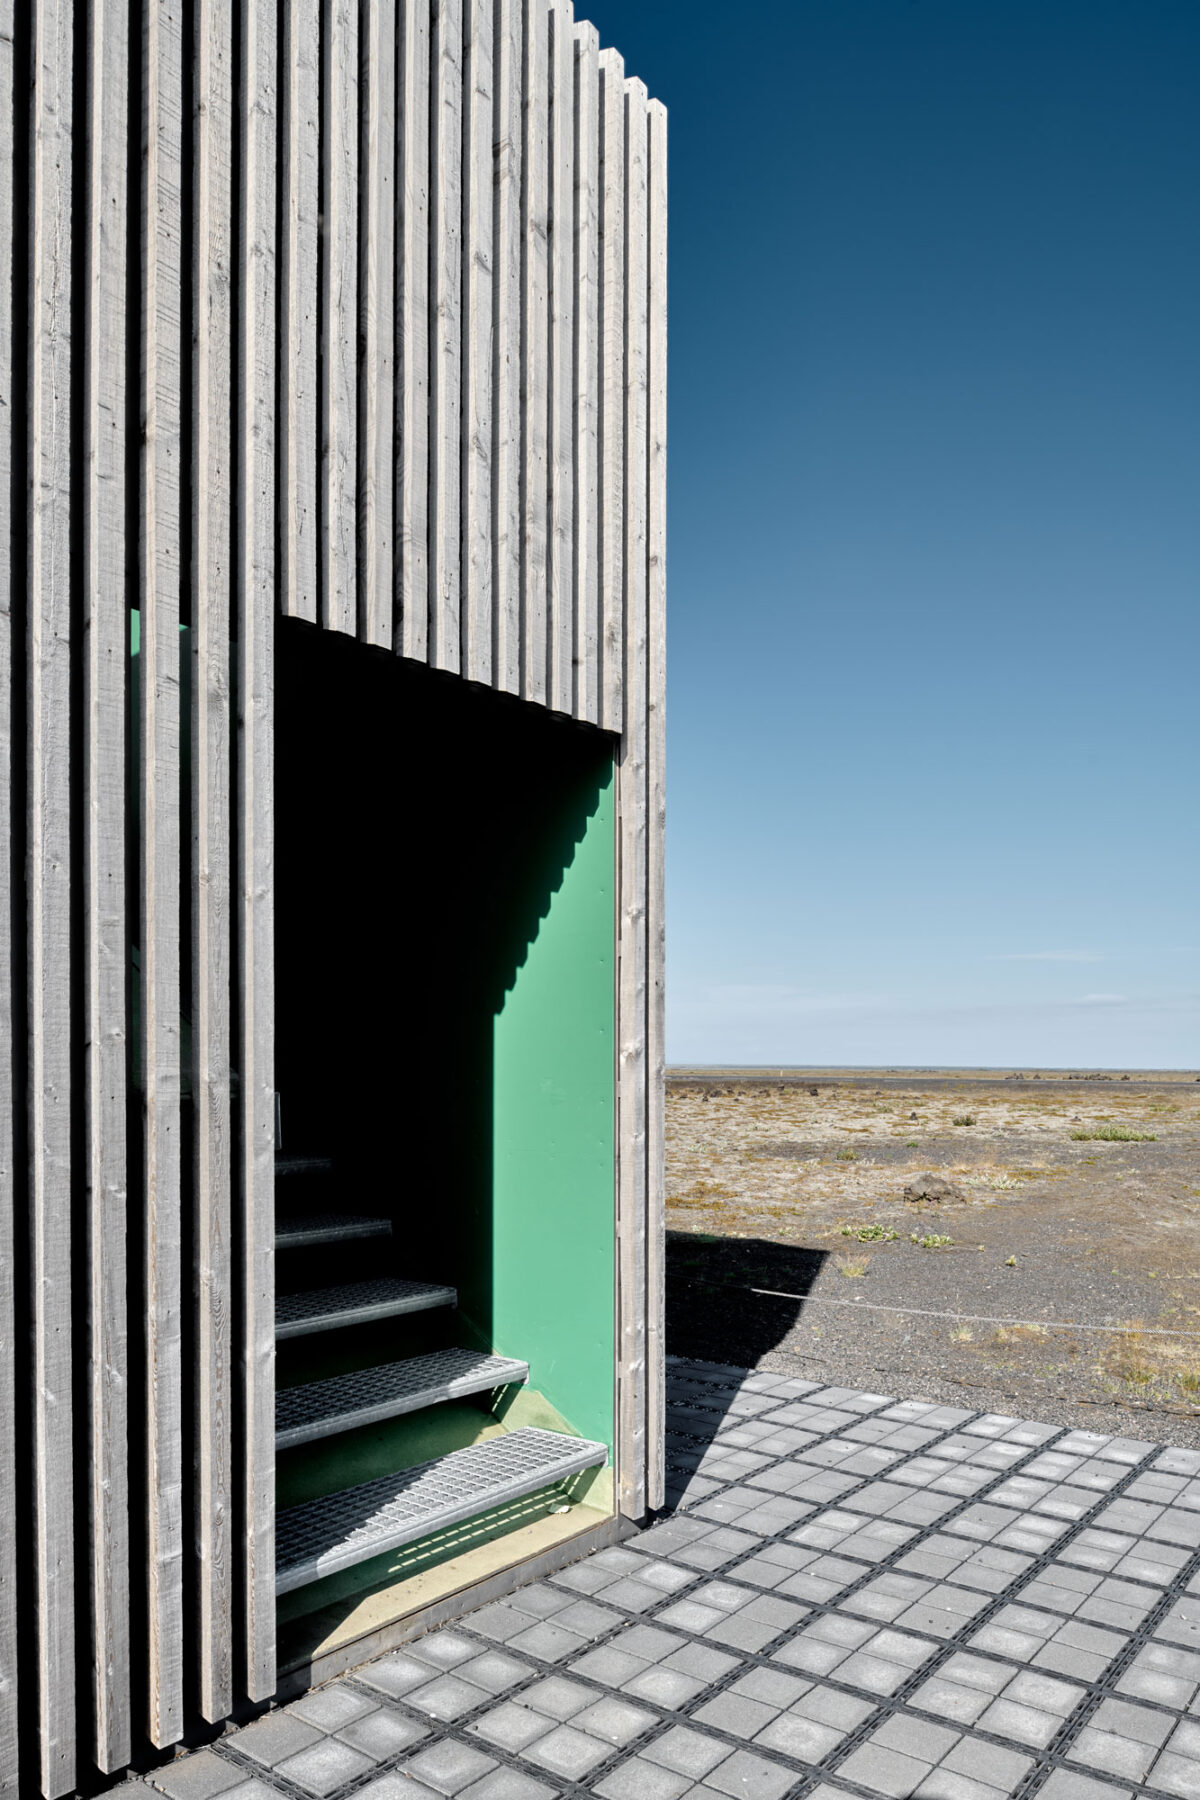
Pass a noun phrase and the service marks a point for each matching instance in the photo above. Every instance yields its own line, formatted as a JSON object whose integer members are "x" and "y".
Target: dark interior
{"x": 422, "y": 827}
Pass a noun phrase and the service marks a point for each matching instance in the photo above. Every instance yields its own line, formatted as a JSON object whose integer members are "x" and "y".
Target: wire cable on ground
{"x": 923, "y": 1312}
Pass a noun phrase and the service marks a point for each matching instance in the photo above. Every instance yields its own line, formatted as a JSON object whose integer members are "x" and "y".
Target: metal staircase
{"x": 327, "y": 1535}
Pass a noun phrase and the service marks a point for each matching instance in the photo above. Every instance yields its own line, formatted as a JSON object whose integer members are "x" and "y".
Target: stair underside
{"x": 321, "y": 1537}
{"x": 327, "y": 1228}
{"x": 356, "y": 1303}
{"x": 318, "y": 1409}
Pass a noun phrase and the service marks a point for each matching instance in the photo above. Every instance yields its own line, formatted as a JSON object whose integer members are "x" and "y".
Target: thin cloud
{"x": 1056, "y": 956}
{"x": 780, "y": 996}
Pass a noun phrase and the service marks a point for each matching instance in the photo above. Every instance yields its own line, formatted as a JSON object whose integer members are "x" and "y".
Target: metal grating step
{"x": 303, "y": 1165}
{"x": 322, "y": 1536}
{"x": 327, "y": 1228}
{"x": 342, "y": 1402}
{"x": 356, "y": 1303}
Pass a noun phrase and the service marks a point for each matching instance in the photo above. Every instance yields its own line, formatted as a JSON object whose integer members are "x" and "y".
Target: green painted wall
{"x": 553, "y": 1143}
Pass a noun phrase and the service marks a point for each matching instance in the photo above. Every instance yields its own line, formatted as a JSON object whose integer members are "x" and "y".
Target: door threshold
{"x": 320, "y": 1645}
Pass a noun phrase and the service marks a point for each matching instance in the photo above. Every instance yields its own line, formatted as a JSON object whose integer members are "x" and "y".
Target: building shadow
{"x": 729, "y": 1302}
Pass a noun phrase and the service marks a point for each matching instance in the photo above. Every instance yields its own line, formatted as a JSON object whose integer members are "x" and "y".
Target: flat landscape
{"x": 1045, "y": 1258}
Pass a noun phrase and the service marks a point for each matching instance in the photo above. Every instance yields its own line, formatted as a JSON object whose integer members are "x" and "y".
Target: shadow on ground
{"x": 714, "y": 1315}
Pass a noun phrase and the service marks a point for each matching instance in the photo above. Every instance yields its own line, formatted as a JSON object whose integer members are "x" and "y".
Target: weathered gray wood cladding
{"x": 349, "y": 311}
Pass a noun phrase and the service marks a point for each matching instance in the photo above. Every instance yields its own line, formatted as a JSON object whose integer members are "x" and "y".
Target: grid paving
{"x": 852, "y": 1597}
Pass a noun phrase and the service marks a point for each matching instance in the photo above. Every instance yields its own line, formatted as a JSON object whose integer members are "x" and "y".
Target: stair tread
{"x": 341, "y": 1402}
{"x": 303, "y": 1165}
{"x": 320, "y": 1537}
{"x": 356, "y": 1302}
{"x": 327, "y": 1228}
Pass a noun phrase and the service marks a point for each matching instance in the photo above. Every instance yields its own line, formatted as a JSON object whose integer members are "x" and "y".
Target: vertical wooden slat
{"x": 298, "y": 429}
{"x": 48, "y": 885}
{"x": 506, "y": 288}
{"x": 9, "y": 1755}
{"x": 612, "y": 388}
{"x": 255, "y": 603}
{"x": 586, "y": 375}
{"x": 159, "y": 728}
{"x": 445, "y": 353}
{"x": 377, "y": 281}
{"x": 633, "y": 841}
{"x": 211, "y": 924}
{"x": 535, "y": 341}
{"x": 412, "y": 333}
{"x": 477, "y": 203}
{"x": 106, "y": 650}
{"x": 656, "y": 681}
{"x": 339, "y": 317}
{"x": 561, "y": 582}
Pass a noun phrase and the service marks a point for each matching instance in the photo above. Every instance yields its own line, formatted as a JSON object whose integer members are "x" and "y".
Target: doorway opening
{"x": 444, "y": 934}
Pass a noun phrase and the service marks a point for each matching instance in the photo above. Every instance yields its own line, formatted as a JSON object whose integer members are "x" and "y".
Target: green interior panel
{"x": 551, "y": 1264}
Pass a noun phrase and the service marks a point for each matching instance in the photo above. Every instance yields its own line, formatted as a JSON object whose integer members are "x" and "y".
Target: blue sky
{"x": 934, "y": 527}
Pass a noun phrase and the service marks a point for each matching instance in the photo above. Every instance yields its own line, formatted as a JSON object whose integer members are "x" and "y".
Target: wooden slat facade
{"x": 656, "y": 771}
{"x": 50, "y": 347}
{"x": 255, "y": 599}
{"x": 211, "y": 805}
{"x": 634, "y": 1207}
{"x": 157, "y": 736}
{"x": 11, "y": 755}
{"x": 105, "y": 849}
{"x": 372, "y": 335}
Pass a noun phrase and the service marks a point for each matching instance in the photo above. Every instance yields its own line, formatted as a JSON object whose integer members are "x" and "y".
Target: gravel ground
{"x": 1070, "y": 1287}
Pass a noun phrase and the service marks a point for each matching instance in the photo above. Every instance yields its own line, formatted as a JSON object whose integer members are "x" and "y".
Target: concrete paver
{"x": 853, "y": 1597}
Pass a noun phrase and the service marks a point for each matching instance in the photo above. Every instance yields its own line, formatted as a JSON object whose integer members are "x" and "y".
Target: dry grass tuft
{"x": 853, "y": 1267}
{"x": 1020, "y": 1334}
{"x": 1113, "y": 1134}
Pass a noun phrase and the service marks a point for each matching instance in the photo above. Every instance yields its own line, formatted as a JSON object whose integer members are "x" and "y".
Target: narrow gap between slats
{"x": 11, "y": 794}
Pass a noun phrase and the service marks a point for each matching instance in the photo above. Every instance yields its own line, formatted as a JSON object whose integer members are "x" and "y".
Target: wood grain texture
{"x": 299, "y": 432}
{"x": 445, "y": 351}
{"x": 611, "y": 396}
{"x": 412, "y": 332}
{"x": 656, "y": 697}
{"x": 158, "y": 737}
{"x": 338, "y": 527}
{"x": 535, "y": 349}
{"x": 254, "y": 625}
{"x": 48, "y": 888}
{"x": 465, "y": 362}
{"x": 477, "y": 250}
{"x": 10, "y": 1760}
{"x": 105, "y": 946}
{"x": 561, "y": 552}
{"x": 210, "y": 814}
{"x": 586, "y": 376}
{"x": 507, "y": 56}
{"x": 633, "y": 845}
{"x": 376, "y": 289}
